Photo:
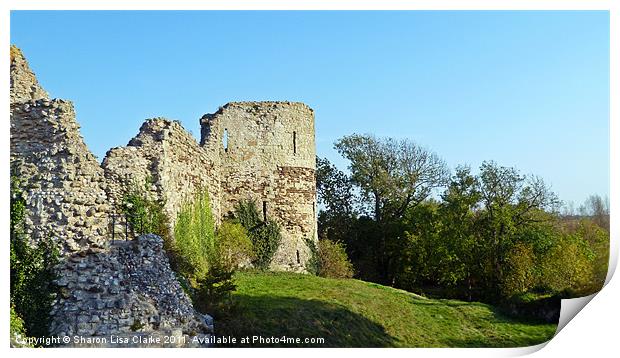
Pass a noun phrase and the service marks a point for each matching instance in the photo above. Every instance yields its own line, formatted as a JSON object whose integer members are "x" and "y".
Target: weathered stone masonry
{"x": 105, "y": 288}
{"x": 127, "y": 289}
{"x": 264, "y": 151}
{"x": 65, "y": 196}
{"x": 165, "y": 153}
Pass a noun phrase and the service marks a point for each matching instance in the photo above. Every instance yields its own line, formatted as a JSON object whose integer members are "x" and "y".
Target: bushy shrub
{"x": 265, "y": 234}
{"x": 194, "y": 238}
{"x": 32, "y": 271}
{"x": 144, "y": 213}
{"x": 333, "y": 260}
{"x": 567, "y": 265}
{"x": 233, "y": 245}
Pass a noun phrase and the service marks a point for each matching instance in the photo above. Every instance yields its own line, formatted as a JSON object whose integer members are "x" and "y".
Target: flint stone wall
{"x": 123, "y": 287}
{"x": 129, "y": 289}
{"x": 64, "y": 186}
{"x": 24, "y": 84}
{"x": 105, "y": 288}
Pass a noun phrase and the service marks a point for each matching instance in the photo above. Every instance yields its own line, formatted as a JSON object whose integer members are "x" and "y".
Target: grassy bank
{"x": 353, "y": 313}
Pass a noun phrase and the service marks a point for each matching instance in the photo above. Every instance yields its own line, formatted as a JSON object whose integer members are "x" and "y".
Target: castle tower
{"x": 265, "y": 151}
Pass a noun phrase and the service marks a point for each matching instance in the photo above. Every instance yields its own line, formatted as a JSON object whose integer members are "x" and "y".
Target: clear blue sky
{"x": 526, "y": 89}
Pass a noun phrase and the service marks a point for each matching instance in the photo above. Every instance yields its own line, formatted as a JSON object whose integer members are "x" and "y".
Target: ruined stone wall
{"x": 265, "y": 151}
{"x": 64, "y": 187}
{"x": 170, "y": 157}
{"x": 105, "y": 287}
{"x": 24, "y": 84}
{"x": 124, "y": 291}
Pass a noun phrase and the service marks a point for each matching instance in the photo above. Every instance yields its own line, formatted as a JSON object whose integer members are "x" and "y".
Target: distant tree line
{"x": 492, "y": 235}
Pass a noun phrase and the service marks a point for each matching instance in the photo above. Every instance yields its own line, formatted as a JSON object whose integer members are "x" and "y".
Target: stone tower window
{"x": 264, "y": 211}
{"x": 294, "y": 142}
{"x": 225, "y": 140}
{"x": 298, "y": 260}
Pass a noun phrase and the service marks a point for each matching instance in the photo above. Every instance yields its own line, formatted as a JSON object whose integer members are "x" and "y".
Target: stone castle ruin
{"x": 262, "y": 151}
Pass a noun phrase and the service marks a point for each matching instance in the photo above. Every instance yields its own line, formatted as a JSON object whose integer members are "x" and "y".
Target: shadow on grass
{"x": 273, "y": 316}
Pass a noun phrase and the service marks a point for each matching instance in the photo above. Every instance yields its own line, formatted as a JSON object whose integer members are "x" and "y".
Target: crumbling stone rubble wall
{"x": 269, "y": 158}
{"x": 105, "y": 287}
{"x": 64, "y": 186}
{"x": 265, "y": 151}
{"x": 125, "y": 290}
{"x": 24, "y": 84}
{"x": 170, "y": 157}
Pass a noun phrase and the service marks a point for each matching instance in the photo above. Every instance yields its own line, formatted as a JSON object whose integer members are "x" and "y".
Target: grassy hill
{"x": 353, "y": 313}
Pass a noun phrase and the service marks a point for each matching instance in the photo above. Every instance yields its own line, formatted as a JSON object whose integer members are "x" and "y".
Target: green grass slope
{"x": 353, "y": 313}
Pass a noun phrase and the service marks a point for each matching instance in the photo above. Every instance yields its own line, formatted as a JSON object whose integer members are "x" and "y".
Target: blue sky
{"x": 526, "y": 89}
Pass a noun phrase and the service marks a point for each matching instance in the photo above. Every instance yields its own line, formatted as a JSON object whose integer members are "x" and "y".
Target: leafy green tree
{"x": 462, "y": 265}
{"x": 335, "y": 190}
{"x": 392, "y": 174}
{"x": 338, "y": 220}
{"x": 567, "y": 265}
{"x": 596, "y": 240}
{"x": 520, "y": 270}
{"x": 417, "y": 253}
{"x": 510, "y": 202}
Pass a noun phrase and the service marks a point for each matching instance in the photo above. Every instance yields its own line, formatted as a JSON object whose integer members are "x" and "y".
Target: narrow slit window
{"x": 314, "y": 209}
{"x": 264, "y": 211}
{"x": 225, "y": 140}
{"x": 298, "y": 260}
{"x": 294, "y": 142}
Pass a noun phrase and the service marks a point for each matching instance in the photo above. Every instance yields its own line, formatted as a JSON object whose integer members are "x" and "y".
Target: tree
{"x": 392, "y": 174}
{"x": 459, "y": 217}
{"x": 511, "y": 202}
{"x": 598, "y": 208}
{"x": 334, "y": 189}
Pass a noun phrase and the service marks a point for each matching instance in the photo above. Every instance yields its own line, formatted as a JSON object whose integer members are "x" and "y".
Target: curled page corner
{"x": 570, "y": 308}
